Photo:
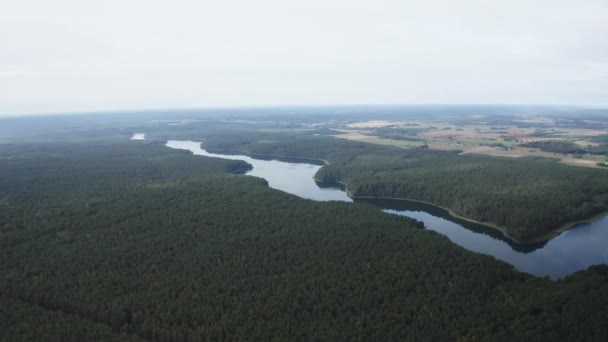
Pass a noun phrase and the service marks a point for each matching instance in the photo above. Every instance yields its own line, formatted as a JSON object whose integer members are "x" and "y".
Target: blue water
{"x": 294, "y": 178}
{"x": 571, "y": 251}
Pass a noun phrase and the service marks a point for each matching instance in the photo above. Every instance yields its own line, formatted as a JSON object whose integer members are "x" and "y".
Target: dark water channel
{"x": 573, "y": 250}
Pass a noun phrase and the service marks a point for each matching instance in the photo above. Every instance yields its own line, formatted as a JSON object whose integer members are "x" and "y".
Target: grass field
{"x": 479, "y": 138}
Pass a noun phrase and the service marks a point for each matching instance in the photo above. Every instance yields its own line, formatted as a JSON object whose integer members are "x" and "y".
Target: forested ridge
{"x": 569, "y": 147}
{"x": 111, "y": 241}
{"x": 528, "y": 197}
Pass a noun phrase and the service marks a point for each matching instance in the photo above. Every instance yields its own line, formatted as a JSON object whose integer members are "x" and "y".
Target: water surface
{"x": 138, "y": 136}
{"x": 571, "y": 251}
{"x": 293, "y": 177}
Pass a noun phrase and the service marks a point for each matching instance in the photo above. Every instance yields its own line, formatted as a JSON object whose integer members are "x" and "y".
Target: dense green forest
{"x": 528, "y": 197}
{"x": 568, "y": 147}
{"x": 134, "y": 241}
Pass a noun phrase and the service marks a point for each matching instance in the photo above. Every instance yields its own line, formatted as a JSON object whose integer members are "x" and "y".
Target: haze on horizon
{"x": 68, "y": 55}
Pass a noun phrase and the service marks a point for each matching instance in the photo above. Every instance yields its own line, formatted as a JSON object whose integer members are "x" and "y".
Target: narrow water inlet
{"x": 571, "y": 251}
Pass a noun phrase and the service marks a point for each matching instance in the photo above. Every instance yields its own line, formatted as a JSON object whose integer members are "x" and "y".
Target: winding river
{"x": 573, "y": 250}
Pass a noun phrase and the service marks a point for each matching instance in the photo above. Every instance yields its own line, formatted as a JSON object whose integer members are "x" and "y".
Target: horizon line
{"x": 279, "y": 106}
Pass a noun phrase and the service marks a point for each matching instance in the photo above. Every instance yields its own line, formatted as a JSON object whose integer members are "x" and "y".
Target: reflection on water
{"x": 138, "y": 136}
{"x": 569, "y": 252}
{"x": 292, "y": 177}
{"x": 394, "y": 206}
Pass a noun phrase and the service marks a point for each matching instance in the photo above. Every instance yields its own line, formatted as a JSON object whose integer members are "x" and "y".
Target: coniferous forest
{"x": 325, "y": 170}
{"x": 133, "y": 241}
{"x": 527, "y": 197}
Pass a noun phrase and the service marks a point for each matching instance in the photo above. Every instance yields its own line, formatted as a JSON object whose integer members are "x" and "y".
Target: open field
{"x": 518, "y": 152}
{"x": 373, "y": 124}
{"x": 361, "y": 135}
{"x": 482, "y": 137}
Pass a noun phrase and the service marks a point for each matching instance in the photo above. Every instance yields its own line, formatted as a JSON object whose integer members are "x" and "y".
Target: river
{"x": 571, "y": 251}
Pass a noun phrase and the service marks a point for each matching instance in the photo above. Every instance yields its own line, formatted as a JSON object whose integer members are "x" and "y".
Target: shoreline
{"x": 502, "y": 229}
{"x": 252, "y": 155}
{"x": 542, "y": 238}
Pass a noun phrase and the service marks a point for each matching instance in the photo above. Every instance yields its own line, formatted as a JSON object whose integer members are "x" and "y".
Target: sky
{"x": 74, "y": 55}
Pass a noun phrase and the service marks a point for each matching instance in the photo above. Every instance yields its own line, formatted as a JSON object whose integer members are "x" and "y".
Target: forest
{"x": 133, "y": 241}
{"x": 568, "y": 147}
{"x": 527, "y": 198}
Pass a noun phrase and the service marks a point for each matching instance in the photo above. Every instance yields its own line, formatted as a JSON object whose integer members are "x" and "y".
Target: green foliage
{"x": 294, "y": 145}
{"x": 568, "y": 147}
{"x": 529, "y": 196}
{"x": 136, "y": 241}
{"x": 407, "y": 134}
{"x": 557, "y": 146}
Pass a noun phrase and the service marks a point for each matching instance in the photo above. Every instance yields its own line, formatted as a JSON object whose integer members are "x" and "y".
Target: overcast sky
{"x": 74, "y": 55}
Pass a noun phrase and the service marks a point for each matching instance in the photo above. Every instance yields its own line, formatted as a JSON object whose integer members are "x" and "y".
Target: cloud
{"x": 72, "y": 55}
{"x": 10, "y": 71}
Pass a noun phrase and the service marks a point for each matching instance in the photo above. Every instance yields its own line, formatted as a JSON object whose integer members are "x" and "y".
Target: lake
{"x": 571, "y": 251}
{"x": 293, "y": 177}
{"x": 138, "y": 136}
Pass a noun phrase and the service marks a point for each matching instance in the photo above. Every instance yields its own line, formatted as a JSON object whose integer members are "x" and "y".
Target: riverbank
{"x": 557, "y": 258}
{"x": 261, "y": 156}
{"x": 322, "y": 162}
{"x": 502, "y": 229}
